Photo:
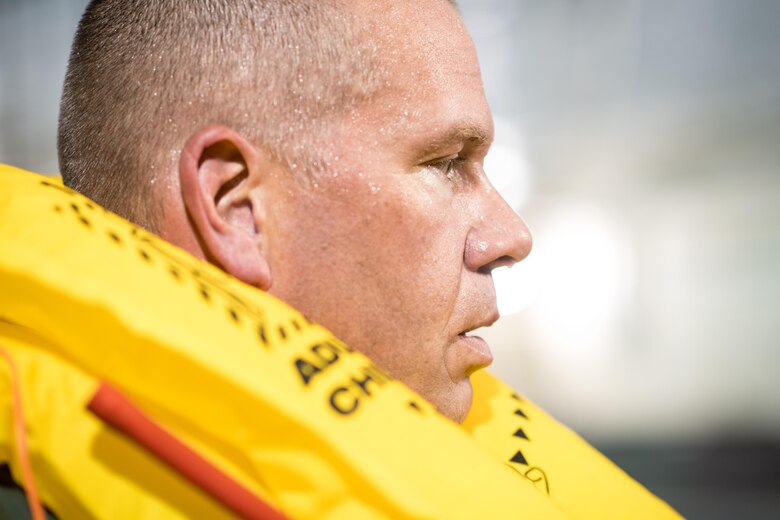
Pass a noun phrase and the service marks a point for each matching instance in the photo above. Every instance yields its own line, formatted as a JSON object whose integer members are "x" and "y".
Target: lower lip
{"x": 480, "y": 355}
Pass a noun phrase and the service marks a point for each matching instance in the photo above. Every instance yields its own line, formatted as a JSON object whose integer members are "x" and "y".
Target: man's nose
{"x": 498, "y": 237}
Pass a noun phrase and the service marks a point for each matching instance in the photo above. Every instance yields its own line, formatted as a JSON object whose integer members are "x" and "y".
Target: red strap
{"x": 120, "y": 413}
{"x": 20, "y": 436}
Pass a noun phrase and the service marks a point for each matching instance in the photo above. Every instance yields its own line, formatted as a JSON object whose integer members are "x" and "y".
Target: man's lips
{"x": 486, "y": 321}
{"x": 471, "y": 351}
{"x": 476, "y": 353}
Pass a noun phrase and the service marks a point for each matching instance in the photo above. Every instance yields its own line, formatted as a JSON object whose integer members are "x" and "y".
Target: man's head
{"x": 382, "y": 225}
{"x": 144, "y": 73}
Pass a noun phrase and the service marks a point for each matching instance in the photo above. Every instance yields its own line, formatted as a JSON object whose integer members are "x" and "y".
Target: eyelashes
{"x": 450, "y": 166}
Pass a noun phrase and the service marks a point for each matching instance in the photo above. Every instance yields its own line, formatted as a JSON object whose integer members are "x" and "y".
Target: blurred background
{"x": 640, "y": 139}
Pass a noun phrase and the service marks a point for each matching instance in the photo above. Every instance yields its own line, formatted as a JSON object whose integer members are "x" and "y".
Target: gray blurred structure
{"x": 641, "y": 141}
{"x": 35, "y": 41}
{"x": 661, "y": 119}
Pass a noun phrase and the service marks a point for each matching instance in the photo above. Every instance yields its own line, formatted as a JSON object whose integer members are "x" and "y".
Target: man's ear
{"x": 220, "y": 172}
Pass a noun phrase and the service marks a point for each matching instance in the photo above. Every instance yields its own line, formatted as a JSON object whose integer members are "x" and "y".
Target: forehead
{"x": 432, "y": 88}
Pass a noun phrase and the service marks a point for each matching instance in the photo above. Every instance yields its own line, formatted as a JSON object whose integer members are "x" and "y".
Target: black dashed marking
{"x": 233, "y": 314}
{"x": 114, "y": 237}
{"x": 204, "y": 293}
{"x": 144, "y": 255}
{"x": 282, "y": 332}
{"x": 261, "y": 334}
{"x": 85, "y": 222}
{"x": 174, "y": 272}
{"x": 296, "y": 325}
{"x": 58, "y": 208}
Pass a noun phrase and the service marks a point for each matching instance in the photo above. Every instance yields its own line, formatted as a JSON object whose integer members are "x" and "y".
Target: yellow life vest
{"x": 271, "y": 400}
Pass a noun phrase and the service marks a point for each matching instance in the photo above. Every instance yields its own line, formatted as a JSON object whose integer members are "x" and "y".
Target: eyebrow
{"x": 467, "y": 131}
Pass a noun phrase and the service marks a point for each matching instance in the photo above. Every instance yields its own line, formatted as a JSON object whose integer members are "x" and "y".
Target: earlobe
{"x": 219, "y": 172}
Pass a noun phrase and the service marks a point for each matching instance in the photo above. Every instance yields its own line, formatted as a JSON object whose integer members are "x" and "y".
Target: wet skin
{"x": 392, "y": 249}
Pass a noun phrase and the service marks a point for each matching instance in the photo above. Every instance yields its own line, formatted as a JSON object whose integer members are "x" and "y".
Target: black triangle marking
{"x": 521, "y": 413}
{"x": 519, "y": 458}
{"x": 520, "y": 433}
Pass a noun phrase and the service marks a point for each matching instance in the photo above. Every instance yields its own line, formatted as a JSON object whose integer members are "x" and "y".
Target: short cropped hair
{"x": 144, "y": 74}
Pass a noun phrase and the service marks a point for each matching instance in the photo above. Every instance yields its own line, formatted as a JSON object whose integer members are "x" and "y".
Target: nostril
{"x": 498, "y": 262}
{"x": 497, "y": 243}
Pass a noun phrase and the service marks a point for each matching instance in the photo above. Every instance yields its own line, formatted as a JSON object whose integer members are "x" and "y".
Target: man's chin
{"x": 456, "y": 403}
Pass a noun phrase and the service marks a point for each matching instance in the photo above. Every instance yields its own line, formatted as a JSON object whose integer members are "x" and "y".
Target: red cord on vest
{"x": 120, "y": 413}
{"x": 20, "y": 436}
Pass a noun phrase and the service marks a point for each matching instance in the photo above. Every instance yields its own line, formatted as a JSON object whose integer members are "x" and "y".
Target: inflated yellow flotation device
{"x": 139, "y": 382}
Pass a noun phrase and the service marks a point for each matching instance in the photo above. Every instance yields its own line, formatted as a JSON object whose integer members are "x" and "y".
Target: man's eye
{"x": 449, "y": 166}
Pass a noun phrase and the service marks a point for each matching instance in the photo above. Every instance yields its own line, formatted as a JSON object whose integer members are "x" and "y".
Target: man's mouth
{"x": 476, "y": 352}
{"x": 485, "y": 321}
